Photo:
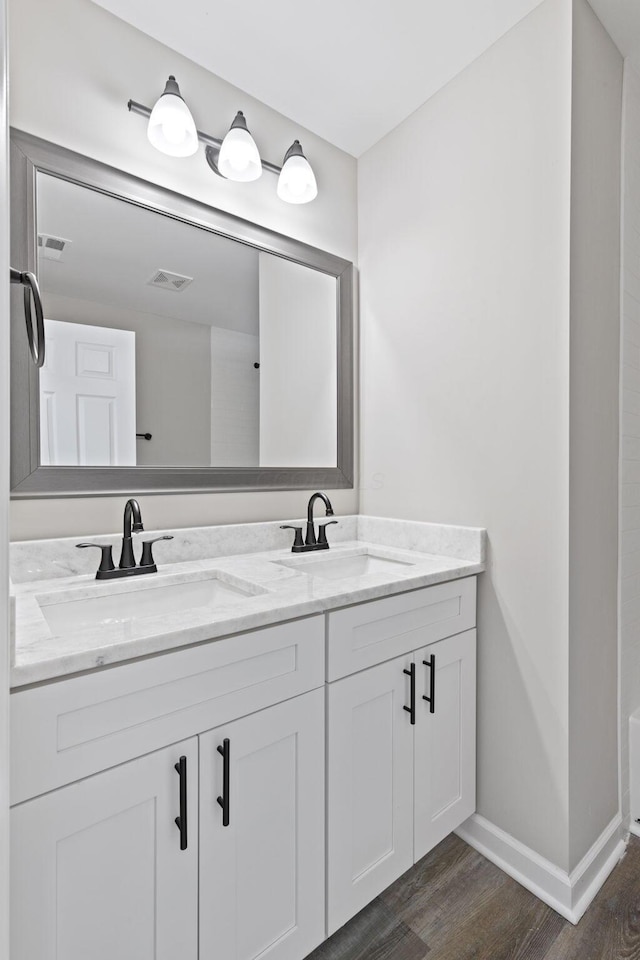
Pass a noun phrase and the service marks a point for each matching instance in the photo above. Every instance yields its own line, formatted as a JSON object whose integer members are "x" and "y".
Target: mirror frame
{"x": 29, "y": 156}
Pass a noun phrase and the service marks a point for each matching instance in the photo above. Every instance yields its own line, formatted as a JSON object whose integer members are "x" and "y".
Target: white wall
{"x": 594, "y": 400}
{"x": 4, "y": 498}
{"x": 464, "y": 262}
{"x": 489, "y": 258}
{"x": 630, "y": 424}
{"x": 298, "y": 349}
{"x": 70, "y": 82}
{"x": 235, "y": 398}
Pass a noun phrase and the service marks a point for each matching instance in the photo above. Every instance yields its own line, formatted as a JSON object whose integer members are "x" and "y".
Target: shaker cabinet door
{"x": 97, "y": 867}
{"x": 262, "y": 845}
{"x": 370, "y": 786}
{"x": 445, "y": 739}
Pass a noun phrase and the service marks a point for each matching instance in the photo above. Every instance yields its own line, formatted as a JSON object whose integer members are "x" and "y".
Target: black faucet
{"x": 127, "y": 566}
{"x": 131, "y": 511}
{"x": 310, "y": 540}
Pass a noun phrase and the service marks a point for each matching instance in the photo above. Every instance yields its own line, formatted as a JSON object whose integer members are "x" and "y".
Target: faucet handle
{"x": 297, "y": 540}
{"x": 147, "y": 555}
{"x": 106, "y": 560}
{"x": 322, "y": 532}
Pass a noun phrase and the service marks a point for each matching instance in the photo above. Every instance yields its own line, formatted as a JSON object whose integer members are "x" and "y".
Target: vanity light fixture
{"x": 172, "y": 130}
{"x": 296, "y": 183}
{"x": 171, "y": 127}
{"x": 239, "y": 158}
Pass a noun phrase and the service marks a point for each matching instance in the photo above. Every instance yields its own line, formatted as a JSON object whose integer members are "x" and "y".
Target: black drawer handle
{"x": 181, "y": 821}
{"x": 411, "y": 672}
{"x": 225, "y": 752}
{"x": 431, "y": 699}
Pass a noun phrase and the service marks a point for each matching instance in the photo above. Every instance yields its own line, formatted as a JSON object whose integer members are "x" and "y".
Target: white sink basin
{"x": 338, "y": 568}
{"x": 132, "y": 605}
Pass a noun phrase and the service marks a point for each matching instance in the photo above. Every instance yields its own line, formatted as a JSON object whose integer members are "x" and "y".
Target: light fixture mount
{"x": 295, "y": 150}
{"x": 211, "y": 155}
{"x": 239, "y": 121}
{"x": 171, "y": 86}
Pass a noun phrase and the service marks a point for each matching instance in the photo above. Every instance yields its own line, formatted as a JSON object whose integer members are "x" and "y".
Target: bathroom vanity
{"x": 242, "y": 786}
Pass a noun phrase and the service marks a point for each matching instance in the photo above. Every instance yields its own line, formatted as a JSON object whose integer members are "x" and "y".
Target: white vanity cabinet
{"x": 97, "y": 866}
{"x": 400, "y": 776}
{"x": 98, "y": 870}
{"x": 102, "y": 870}
{"x": 262, "y": 866}
{"x": 287, "y": 836}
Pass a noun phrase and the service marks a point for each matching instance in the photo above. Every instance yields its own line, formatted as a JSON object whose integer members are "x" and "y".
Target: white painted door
{"x": 445, "y": 739}
{"x": 96, "y": 867}
{"x": 88, "y": 396}
{"x": 262, "y": 875}
{"x": 370, "y": 786}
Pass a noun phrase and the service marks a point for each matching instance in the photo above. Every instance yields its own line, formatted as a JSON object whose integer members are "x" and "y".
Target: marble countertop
{"x": 258, "y": 589}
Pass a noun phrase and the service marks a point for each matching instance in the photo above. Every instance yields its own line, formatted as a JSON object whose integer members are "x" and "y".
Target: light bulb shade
{"x": 171, "y": 127}
{"x": 239, "y": 158}
{"x": 297, "y": 182}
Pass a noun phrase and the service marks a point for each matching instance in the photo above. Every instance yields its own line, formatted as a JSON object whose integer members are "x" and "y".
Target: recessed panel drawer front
{"x": 69, "y": 729}
{"x": 370, "y": 633}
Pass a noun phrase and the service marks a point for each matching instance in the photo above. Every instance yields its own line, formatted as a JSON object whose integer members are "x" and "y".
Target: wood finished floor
{"x": 455, "y": 905}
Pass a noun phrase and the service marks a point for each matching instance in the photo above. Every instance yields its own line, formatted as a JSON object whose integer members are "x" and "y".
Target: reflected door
{"x": 88, "y": 396}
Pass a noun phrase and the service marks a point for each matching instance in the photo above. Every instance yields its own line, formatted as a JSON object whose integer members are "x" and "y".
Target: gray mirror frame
{"x": 30, "y": 155}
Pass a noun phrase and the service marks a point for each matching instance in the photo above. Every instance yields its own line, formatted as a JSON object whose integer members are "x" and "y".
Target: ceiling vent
{"x": 169, "y": 281}
{"x": 51, "y": 248}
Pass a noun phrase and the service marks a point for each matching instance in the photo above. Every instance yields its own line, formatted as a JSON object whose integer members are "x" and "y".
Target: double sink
{"x": 210, "y": 591}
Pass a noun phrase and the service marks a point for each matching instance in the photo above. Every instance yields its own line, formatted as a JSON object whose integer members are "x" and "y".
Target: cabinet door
{"x": 262, "y": 875}
{"x": 370, "y": 786}
{"x": 97, "y": 870}
{"x": 445, "y": 739}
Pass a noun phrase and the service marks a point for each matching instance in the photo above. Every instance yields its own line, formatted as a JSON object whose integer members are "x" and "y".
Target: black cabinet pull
{"x": 181, "y": 821}
{"x": 224, "y": 751}
{"x": 431, "y": 699}
{"x": 411, "y": 672}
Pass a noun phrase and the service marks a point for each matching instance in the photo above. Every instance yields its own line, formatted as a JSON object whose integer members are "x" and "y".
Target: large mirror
{"x": 186, "y": 349}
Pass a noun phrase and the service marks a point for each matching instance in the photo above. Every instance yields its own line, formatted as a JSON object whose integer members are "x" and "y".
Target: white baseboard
{"x": 569, "y": 894}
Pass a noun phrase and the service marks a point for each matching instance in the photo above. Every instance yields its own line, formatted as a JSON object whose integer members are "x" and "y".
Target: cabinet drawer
{"x": 63, "y": 731}
{"x": 369, "y": 633}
